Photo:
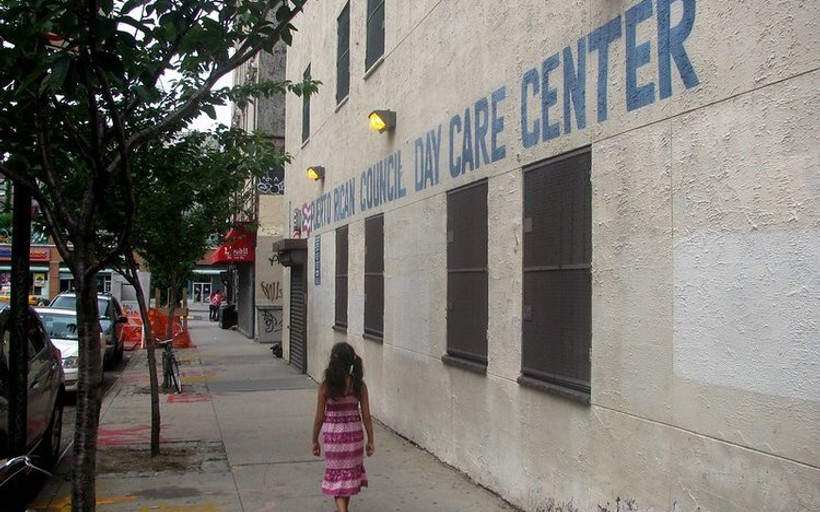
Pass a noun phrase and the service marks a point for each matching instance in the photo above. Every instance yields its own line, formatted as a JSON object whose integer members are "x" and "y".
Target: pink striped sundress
{"x": 344, "y": 447}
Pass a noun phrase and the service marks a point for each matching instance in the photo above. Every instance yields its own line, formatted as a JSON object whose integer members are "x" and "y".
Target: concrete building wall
{"x": 705, "y": 389}
{"x": 262, "y": 284}
{"x": 270, "y": 290}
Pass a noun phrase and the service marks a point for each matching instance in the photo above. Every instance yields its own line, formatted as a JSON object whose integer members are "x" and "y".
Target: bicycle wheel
{"x": 175, "y": 376}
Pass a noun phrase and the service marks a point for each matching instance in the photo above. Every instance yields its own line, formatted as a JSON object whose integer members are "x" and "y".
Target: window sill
{"x": 372, "y": 69}
{"x": 464, "y": 364}
{"x": 339, "y": 328}
{"x": 373, "y": 337}
{"x": 341, "y": 104}
{"x": 554, "y": 389}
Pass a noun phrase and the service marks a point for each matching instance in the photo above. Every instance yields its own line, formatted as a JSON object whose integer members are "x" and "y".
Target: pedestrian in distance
{"x": 342, "y": 407}
{"x": 215, "y": 302}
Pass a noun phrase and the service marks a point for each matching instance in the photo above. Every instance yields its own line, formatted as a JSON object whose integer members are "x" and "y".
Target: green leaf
{"x": 210, "y": 111}
{"x": 59, "y": 72}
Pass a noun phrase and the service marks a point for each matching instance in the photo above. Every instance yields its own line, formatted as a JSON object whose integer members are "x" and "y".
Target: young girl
{"x": 341, "y": 408}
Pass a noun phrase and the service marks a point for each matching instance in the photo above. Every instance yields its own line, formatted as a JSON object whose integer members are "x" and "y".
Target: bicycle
{"x": 170, "y": 366}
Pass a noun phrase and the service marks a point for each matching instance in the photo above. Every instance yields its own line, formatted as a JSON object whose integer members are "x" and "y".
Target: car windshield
{"x": 63, "y": 327}
{"x": 70, "y": 302}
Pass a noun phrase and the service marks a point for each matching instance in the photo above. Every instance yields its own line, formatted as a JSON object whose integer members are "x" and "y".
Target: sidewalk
{"x": 238, "y": 440}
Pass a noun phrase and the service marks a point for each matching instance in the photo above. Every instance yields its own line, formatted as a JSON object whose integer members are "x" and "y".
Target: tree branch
{"x": 195, "y": 99}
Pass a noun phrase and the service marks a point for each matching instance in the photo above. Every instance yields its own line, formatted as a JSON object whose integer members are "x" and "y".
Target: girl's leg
{"x": 341, "y": 503}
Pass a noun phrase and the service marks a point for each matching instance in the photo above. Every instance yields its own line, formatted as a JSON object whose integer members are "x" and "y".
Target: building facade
{"x": 582, "y": 265}
{"x": 257, "y": 281}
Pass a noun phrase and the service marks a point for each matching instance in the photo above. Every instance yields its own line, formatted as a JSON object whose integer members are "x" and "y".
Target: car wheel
{"x": 50, "y": 445}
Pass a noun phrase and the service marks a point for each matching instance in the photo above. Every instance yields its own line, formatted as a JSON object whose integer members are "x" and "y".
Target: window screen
{"x": 343, "y": 54}
{"x": 375, "y": 32}
{"x": 467, "y": 273}
{"x": 341, "y": 276}
{"x": 557, "y": 287}
{"x": 306, "y": 109}
{"x": 374, "y": 276}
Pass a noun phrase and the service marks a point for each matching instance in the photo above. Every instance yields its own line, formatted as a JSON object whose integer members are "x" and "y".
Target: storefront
{"x": 40, "y": 258}
{"x": 237, "y": 254}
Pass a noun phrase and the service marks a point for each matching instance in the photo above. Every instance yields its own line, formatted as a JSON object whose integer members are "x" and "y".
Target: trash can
{"x": 227, "y": 316}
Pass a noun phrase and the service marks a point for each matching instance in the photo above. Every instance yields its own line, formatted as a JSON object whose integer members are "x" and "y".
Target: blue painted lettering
{"x": 637, "y": 55}
{"x": 433, "y": 150}
{"x": 382, "y": 182}
{"x": 529, "y": 137}
{"x": 482, "y": 127}
{"x": 418, "y": 166}
{"x": 499, "y": 152}
{"x": 322, "y": 212}
{"x": 362, "y": 194}
{"x": 467, "y": 143}
{"x": 575, "y": 88}
{"x": 344, "y": 200}
{"x": 670, "y": 44}
{"x": 599, "y": 40}
{"x": 549, "y": 97}
{"x": 455, "y": 161}
{"x": 397, "y": 172}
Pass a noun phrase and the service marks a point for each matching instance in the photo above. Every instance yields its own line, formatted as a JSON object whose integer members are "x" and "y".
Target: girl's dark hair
{"x": 343, "y": 362}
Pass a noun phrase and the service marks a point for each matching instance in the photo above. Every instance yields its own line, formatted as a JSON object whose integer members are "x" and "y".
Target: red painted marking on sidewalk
{"x": 188, "y": 398}
{"x": 123, "y": 436}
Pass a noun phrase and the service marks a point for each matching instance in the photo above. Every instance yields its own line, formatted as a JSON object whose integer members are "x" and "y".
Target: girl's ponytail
{"x": 357, "y": 373}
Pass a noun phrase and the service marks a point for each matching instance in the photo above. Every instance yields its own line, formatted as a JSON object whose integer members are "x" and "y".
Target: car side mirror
{"x": 122, "y": 320}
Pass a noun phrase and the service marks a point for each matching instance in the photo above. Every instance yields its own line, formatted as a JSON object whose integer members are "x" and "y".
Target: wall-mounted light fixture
{"x": 382, "y": 120}
{"x": 316, "y": 173}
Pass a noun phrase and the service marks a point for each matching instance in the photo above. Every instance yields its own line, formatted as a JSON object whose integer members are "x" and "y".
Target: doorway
{"x": 298, "y": 318}
{"x": 201, "y": 291}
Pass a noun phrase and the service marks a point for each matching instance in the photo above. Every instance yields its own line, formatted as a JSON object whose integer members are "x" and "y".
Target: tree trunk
{"x": 18, "y": 356}
{"x": 89, "y": 393}
{"x": 172, "y": 302}
{"x": 156, "y": 422}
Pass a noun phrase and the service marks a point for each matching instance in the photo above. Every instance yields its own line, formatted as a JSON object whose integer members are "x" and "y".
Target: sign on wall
{"x": 317, "y": 261}
{"x": 567, "y": 91}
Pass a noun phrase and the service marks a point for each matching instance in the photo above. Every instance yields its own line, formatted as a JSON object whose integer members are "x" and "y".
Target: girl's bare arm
{"x": 364, "y": 399}
{"x": 318, "y": 419}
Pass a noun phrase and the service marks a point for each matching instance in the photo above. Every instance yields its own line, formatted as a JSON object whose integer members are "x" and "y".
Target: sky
{"x": 223, "y": 114}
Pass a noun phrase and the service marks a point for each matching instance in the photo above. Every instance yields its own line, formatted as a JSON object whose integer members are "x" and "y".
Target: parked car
{"x": 61, "y": 326}
{"x": 111, "y": 322}
{"x": 45, "y": 391}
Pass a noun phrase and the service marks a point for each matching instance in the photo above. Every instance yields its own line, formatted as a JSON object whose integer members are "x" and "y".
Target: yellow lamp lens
{"x": 376, "y": 122}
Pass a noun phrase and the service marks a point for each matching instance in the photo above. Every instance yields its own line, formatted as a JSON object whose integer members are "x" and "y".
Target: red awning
{"x": 239, "y": 247}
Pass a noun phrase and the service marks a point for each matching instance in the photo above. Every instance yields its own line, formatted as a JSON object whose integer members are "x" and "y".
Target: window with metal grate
{"x": 467, "y": 276}
{"x": 341, "y": 277}
{"x": 557, "y": 282}
{"x": 343, "y": 54}
{"x": 375, "y": 32}
{"x": 374, "y": 276}
{"x": 306, "y": 109}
